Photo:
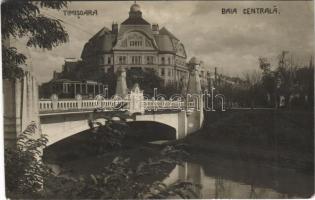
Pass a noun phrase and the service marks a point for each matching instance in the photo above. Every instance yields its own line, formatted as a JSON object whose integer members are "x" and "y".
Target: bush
{"x": 24, "y": 169}
{"x": 108, "y": 136}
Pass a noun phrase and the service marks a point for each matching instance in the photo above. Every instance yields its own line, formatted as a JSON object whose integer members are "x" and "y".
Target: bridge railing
{"x": 163, "y": 105}
{"x": 46, "y": 105}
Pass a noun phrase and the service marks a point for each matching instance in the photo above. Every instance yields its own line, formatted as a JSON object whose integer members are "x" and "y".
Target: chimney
{"x": 115, "y": 28}
{"x": 155, "y": 28}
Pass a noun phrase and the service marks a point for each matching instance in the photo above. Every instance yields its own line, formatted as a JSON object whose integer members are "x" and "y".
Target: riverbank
{"x": 262, "y": 148}
{"x": 274, "y": 137}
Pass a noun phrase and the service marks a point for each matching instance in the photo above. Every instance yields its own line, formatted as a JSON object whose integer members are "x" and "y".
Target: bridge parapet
{"x": 46, "y": 105}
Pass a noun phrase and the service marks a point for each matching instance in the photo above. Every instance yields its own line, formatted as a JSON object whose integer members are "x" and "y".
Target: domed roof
{"x": 135, "y": 8}
{"x": 194, "y": 61}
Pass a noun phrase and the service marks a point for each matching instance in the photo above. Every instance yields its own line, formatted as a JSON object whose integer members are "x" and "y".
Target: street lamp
{"x": 212, "y": 89}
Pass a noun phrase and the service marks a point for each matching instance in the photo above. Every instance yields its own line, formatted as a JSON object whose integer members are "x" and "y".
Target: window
{"x": 169, "y": 72}
{"x": 169, "y": 60}
{"x": 135, "y": 43}
{"x": 162, "y": 72}
{"x": 149, "y": 59}
{"x": 136, "y": 60}
{"x": 108, "y": 60}
{"x": 122, "y": 59}
{"x": 163, "y": 60}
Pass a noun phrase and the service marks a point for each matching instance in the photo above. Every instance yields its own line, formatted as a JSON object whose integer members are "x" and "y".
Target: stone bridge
{"x": 61, "y": 118}
{"x": 65, "y": 117}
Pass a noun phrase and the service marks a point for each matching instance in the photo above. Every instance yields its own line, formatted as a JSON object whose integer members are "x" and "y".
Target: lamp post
{"x": 212, "y": 89}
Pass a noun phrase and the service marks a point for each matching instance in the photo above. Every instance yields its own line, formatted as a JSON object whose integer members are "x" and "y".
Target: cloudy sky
{"x": 231, "y": 42}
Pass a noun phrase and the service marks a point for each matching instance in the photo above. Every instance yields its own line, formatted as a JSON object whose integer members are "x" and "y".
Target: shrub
{"x": 24, "y": 169}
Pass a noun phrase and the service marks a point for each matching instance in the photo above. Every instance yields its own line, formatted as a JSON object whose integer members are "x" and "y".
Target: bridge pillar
{"x": 194, "y": 89}
{"x": 79, "y": 101}
{"x": 194, "y": 85}
{"x": 121, "y": 85}
{"x": 136, "y": 100}
{"x": 20, "y": 97}
{"x": 54, "y": 101}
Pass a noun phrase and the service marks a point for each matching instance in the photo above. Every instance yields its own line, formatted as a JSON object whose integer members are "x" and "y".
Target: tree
{"x": 147, "y": 79}
{"x": 253, "y": 80}
{"x": 268, "y": 79}
{"x": 24, "y": 19}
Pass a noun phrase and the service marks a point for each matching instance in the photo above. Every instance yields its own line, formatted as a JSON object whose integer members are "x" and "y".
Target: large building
{"x": 135, "y": 44}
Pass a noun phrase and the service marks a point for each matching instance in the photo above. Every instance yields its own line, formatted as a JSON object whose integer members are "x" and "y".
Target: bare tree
{"x": 252, "y": 77}
{"x": 253, "y": 81}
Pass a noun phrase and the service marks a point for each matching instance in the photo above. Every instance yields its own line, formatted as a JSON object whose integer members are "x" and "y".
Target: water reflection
{"x": 219, "y": 187}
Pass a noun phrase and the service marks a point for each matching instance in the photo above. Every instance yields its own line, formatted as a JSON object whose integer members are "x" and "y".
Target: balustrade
{"x": 46, "y": 105}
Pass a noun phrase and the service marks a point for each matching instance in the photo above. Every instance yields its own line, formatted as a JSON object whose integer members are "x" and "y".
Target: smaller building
{"x": 65, "y": 88}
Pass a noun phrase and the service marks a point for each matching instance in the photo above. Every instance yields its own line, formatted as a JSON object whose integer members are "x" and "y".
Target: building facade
{"x": 135, "y": 44}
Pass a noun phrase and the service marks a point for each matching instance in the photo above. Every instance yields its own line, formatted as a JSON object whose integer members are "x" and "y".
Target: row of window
{"x": 163, "y": 61}
{"x": 122, "y": 60}
{"x": 102, "y": 60}
{"x": 135, "y": 43}
{"x": 136, "y": 60}
{"x": 170, "y": 72}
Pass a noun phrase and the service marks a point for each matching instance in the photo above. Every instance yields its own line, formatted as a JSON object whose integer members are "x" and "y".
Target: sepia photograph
{"x": 157, "y": 99}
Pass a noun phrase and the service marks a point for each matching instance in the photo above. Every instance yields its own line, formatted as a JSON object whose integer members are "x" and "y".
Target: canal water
{"x": 219, "y": 186}
{"x": 219, "y": 178}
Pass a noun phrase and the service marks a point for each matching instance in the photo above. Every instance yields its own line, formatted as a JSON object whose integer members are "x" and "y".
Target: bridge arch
{"x": 147, "y": 130}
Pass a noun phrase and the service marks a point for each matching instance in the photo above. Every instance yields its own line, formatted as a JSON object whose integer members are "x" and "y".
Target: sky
{"x": 231, "y": 42}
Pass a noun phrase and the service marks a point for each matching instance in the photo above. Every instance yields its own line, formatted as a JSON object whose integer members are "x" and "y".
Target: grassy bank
{"x": 277, "y": 137}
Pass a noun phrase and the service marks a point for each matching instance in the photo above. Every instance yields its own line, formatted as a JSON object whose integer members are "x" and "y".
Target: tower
{"x": 135, "y": 11}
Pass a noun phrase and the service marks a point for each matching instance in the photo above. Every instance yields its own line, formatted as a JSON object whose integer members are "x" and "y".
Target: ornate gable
{"x": 134, "y": 40}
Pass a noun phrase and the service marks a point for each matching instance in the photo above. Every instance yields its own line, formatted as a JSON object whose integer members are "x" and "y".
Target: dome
{"x": 135, "y": 8}
{"x": 194, "y": 61}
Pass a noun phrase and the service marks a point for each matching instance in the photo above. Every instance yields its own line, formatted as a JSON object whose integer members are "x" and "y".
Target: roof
{"x": 101, "y": 32}
{"x": 62, "y": 80}
{"x": 135, "y": 21}
{"x": 194, "y": 60}
{"x": 102, "y": 41}
{"x": 164, "y": 43}
{"x": 164, "y": 31}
